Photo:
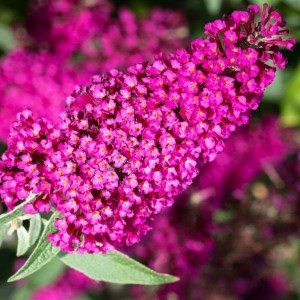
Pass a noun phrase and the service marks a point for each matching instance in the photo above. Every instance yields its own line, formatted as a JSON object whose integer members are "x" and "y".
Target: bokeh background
{"x": 235, "y": 234}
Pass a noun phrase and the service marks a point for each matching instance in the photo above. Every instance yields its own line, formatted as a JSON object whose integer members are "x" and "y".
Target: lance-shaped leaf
{"x": 41, "y": 255}
{"x": 115, "y": 267}
{"x": 34, "y": 228}
{"x": 23, "y": 241}
{"x": 14, "y": 214}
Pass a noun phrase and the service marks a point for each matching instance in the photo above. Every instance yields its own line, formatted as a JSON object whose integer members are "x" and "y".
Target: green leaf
{"x": 7, "y": 39}
{"x": 14, "y": 214}
{"x": 290, "y": 105}
{"x": 41, "y": 255}
{"x": 213, "y": 6}
{"x": 294, "y": 3}
{"x": 261, "y": 2}
{"x": 35, "y": 227}
{"x": 21, "y": 293}
{"x": 274, "y": 91}
{"x": 23, "y": 241}
{"x": 3, "y": 231}
{"x": 223, "y": 216}
{"x": 7, "y": 15}
{"x": 115, "y": 267}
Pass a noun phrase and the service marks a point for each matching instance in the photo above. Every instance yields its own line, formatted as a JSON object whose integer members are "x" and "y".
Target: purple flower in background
{"x": 65, "y": 27}
{"x": 88, "y": 29}
{"x": 128, "y": 143}
{"x": 249, "y": 151}
{"x": 258, "y": 239}
{"x": 181, "y": 243}
{"x": 33, "y": 79}
{"x": 72, "y": 42}
{"x": 161, "y": 30}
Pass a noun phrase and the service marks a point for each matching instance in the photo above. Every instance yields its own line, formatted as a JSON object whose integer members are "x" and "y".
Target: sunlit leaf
{"x": 115, "y": 267}
{"x": 23, "y": 241}
{"x": 35, "y": 226}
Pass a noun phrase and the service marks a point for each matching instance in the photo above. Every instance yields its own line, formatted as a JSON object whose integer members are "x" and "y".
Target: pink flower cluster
{"x": 72, "y": 42}
{"x": 67, "y": 28}
{"x": 159, "y": 31}
{"x": 33, "y": 79}
{"x": 181, "y": 241}
{"x": 128, "y": 143}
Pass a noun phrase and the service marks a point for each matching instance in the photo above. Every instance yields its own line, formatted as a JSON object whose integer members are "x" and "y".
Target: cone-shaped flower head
{"x": 130, "y": 142}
